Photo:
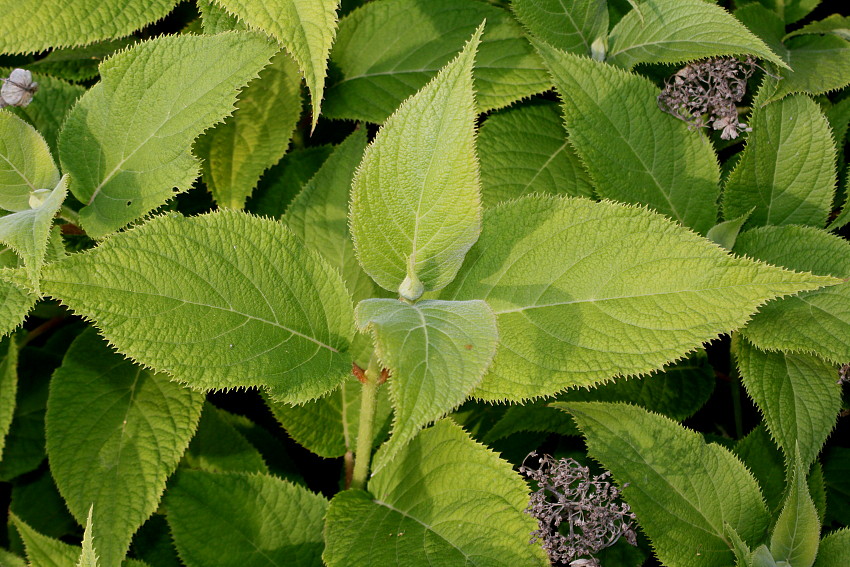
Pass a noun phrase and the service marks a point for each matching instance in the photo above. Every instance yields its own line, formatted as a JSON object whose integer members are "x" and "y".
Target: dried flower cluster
{"x": 706, "y": 92}
{"x": 844, "y": 374}
{"x": 17, "y": 90}
{"x": 587, "y": 506}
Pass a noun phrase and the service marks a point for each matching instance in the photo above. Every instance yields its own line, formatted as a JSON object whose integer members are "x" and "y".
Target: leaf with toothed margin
{"x": 415, "y": 202}
{"x": 834, "y": 549}
{"x": 305, "y": 28}
{"x": 388, "y": 49}
{"x": 795, "y": 538}
{"x": 57, "y": 23}
{"x": 15, "y": 303}
{"x": 436, "y": 351}
{"x": 217, "y": 446}
{"x": 787, "y": 170}
{"x": 27, "y": 232}
{"x": 8, "y": 387}
{"x": 630, "y": 291}
{"x": 676, "y": 31}
{"x": 571, "y": 26}
{"x": 816, "y": 322}
{"x": 240, "y": 520}
{"x": 88, "y": 557}
{"x": 622, "y": 154}
{"x": 26, "y": 165}
{"x": 682, "y": 489}
{"x": 115, "y": 433}
{"x": 126, "y": 144}
{"x": 797, "y": 394}
{"x": 222, "y": 300}
{"x": 445, "y": 501}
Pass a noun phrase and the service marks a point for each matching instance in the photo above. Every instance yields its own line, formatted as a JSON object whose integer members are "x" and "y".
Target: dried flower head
{"x": 705, "y": 93}
{"x": 844, "y": 374}
{"x": 578, "y": 514}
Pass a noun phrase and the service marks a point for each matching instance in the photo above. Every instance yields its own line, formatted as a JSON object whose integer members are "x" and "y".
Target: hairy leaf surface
{"x": 820, "y": 63}
{"x": 570, "y": 26}
{"x": 236, "y": 520}
{"x": 817, "y": 322}
{"x": 834, "y": 550}
{"x": 126, "y": 144}
{"x": 415, "y": 203}
{"x": 115, "y": 432}
{"x": 15, "y": 303}
{"x": 88, "y": 557}
{"x": 218, "y": 301}
{"x": 787, "y": 170}
{"x": 237, "y": 152}
{"x": 8, "y": 387}
{"x": 25, "y": 163}
{"x": 305, "y": 28}
{"x": 445, "y": 501}
{"x": 634, "y": 152}
{"x": 389, "y": 49}
{"x": 630, "y": 291}
{"x": 682, "y": 489}
{"x": 676, "y": 31}
{"x": 437, "y": 352}
{"x": 525, "y": 150}
{"x": 218, "y": 447}
{"x": 795, "y": 536}
{"x": 796, "y": 393}
{"x": 57, "y": 23}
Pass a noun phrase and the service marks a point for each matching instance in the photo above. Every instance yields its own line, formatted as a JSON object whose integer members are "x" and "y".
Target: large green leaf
{"x": 237, "y": 520}
{"x": 445, "y": 501}
{"x": 25, "y": 163}
{"x": 281, "y": 184}
{"x": 525, "y": 150}
{"x": 570, "y": 26}
{"x": 28, "y": 231}
{"x": 389, "y": 49}
{"x": 834, "y": 549}
{"x": 796, "y": 393}
{"x": 8, "y": 387}
{"x": 682, "y": 489}
{"x": 795, "y": 536}
{"x": 767, "y": 463}
{"x": 820, "y": 63}
{"x": 237, "y": 152}
{"x": 57, "y": 23}
{"x": 787, "y": 171}
{"x": 15, "y": 303}
{"x": 585, "y": 291}
{"x": 436, "y": 351}
{"x": 305, "y": 28}
{"x": 126, "y": 142}
{"x": 817, "y": 322}
{"x": 115, "y": 432}
{"x": 218, "y": 447}
{"x": 615, "y": 125}
{"x": 218, "y": 301}
{"x": 319, "y": 214}
{"x": 415, "y": 203}
{"x": 676, "y": 31}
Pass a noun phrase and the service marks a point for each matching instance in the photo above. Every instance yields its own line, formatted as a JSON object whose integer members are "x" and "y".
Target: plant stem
{"x": 363, "y": 452}
{"x": 70, "y": 215}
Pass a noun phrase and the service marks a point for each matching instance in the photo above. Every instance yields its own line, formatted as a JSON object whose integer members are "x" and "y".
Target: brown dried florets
{"x": 705, "y": 93}
{"x": 588, "y": 506}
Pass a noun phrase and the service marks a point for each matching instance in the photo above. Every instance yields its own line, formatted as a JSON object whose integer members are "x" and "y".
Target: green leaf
{"x": 62, "y": 24}
{"x": 389, "y": 49}
{"x": 47, "y": 111}
{"x": 791, "y": 10}
{"x": 88, "y": 558}
{"x": 238, "y": 520}
{"x": 816, "y": 322}
{"x": 28, "y": 231}
{"x": 682, "y": 489}
{"x": 77, "y": 64}
{"x": 9, "y": 559}
{"x": 25, "y": 163}
{"x": 761, "y": 557}
{"x": 820, "y": 63}
{"x": 36, "y": 501}
{"x": 281, "y": 184}
{"x": 835, "y": 24}
{"x": 571, "y": 26}
{"x": 305, "y": 28}
{"x": 616, "y": 128}
{"x": 251, "y": 306}
{"x": 725, "y": 233}
{"x": 834, "y": 549}
{"x": 215, "y": 19}
{"x": 797, "y": 394}
{"x": 436, "y": 351}
{"x": 218, "y": 447}
{"x": 676, "y": 31}
{"x": 796, "y": 534}
{"x": 15, "y": 303}
{"x": 115, "y": 432}
{"x": 533, "y": 416}
{"x": 766, "y": 462}
{"x": 630, "y": 291}
{"x": 445, "y": 501}
{"x": 319, "y": 214}
{"x": 787, "y": 171}
{"x": 525, "y": 150}
{"x": 415, "y": 203}
{"x": 237, "y": 152}
{"x": 8, "y": 387}
{"x": 328, "y": 426}
{"x": 126, "y": 142}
